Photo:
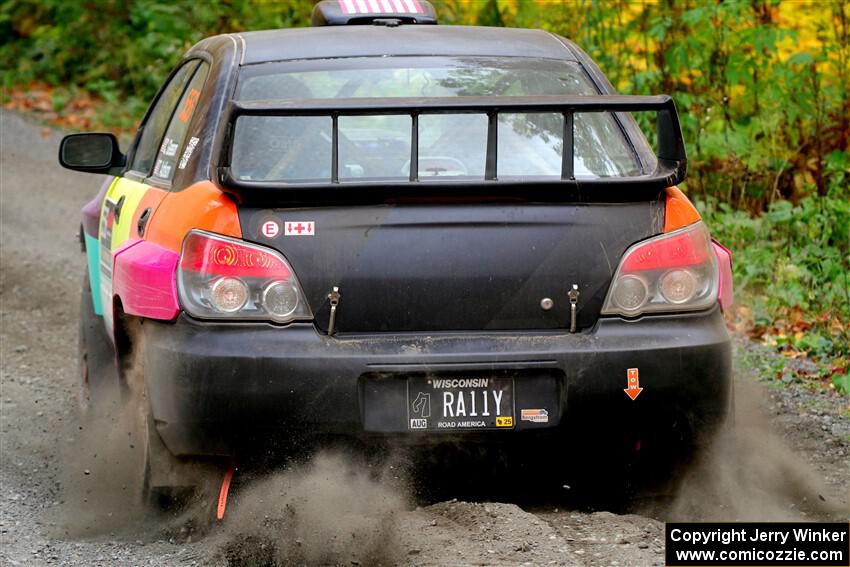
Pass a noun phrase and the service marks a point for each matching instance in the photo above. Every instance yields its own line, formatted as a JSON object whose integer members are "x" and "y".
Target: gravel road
{"x": 789, "y": 459}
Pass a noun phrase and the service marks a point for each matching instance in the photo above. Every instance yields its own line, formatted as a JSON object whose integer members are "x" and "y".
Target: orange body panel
{"x": 203, "y": 206}
{"x": 679, "y": 211}
{"x": 150, "y": 200}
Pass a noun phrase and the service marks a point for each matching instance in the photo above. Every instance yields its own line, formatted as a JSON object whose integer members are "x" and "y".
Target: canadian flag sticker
{"x": 299, "y": 228}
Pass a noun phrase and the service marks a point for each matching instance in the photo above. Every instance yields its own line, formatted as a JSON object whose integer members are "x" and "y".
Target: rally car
{"x": 379, "y": 228}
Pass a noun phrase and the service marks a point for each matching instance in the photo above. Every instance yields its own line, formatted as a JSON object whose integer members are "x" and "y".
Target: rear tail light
{"x": 676, "y": 271}
{"x": 225, "y": 278}
{"x": 726, "y": 293}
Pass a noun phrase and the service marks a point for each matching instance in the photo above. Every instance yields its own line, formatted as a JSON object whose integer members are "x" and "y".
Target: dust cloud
{"x": 751, "y": 474}
{"x": 102, "y": 459}
{"x": 101, "y": 475}
{"x": 334, "y": 506}
{"x": 342, "y": 509}
{"x": 330, "y": 510}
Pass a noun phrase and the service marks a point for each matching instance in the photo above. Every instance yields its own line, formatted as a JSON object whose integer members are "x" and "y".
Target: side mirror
{"x": 95, "y": 152}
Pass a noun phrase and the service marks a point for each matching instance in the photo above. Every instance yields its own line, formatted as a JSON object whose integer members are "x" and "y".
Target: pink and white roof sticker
{"x": 381, "y": 7}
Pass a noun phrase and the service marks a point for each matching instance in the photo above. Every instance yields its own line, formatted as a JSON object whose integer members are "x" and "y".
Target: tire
{"x": 99, "y": 381}
{"x": 172, "y": 485}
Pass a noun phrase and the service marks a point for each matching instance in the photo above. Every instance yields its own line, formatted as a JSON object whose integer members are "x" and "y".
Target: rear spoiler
{"x": 670, "y": 169}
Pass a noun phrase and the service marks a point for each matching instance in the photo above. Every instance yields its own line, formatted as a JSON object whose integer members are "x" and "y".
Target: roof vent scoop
{"x": 373, "y": 12}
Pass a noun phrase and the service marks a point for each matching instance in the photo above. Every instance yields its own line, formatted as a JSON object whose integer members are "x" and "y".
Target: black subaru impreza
{"x": 383, "y": 229}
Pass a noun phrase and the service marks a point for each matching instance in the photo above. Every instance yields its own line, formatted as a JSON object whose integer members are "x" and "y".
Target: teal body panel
{"x": 93, "y": 258}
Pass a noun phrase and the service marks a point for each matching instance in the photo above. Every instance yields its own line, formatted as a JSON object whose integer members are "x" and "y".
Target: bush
{"x": 121, "y": 51}
{"x": 792, "y": 268}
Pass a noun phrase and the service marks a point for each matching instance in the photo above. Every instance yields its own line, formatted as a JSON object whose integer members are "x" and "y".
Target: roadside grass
{"x": 777, "y": 372}
{"x": 792, "y": 384}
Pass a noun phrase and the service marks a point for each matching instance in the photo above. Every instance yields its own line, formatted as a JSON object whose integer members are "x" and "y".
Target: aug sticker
{"x": 299, "y": 228}
{"x": 504, "y": 421}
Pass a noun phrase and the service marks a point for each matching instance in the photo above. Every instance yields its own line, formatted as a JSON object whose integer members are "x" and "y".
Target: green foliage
{"x": 841, "y": 383}
{"x": 121, "y": 51}
{"x": 792, "y": 267}
{"x": 763, "y": 86}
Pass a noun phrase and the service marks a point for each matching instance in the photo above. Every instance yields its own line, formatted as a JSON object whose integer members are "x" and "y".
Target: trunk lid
{"x": 424, "y": 267}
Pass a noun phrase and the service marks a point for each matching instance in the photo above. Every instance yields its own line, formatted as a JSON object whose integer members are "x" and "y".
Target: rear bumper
{"x": 214, "y": 388}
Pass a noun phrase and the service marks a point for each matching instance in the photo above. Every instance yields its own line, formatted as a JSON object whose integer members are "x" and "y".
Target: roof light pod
{"x": 226, "y": 278}
{"x": 672, "y": 272}
{"x": 367, "y": 12}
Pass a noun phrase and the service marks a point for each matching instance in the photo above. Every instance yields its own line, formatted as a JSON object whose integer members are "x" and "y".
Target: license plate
{"x": 460, "y": 403}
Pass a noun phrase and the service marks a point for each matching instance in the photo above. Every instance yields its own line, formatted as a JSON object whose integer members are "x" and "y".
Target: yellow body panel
{"x": 113, "y": 236}
{"x": 132, "y": 191}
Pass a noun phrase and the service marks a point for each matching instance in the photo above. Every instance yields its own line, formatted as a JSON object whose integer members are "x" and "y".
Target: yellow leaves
{"x": 815, "y": 25}
{"x": 736, "y": 91}
{"x": 508, "y": 7}
{"x": 804, "y": 179}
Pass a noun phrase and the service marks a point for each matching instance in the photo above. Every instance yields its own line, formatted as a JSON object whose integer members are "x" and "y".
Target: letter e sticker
{"x": 270, "y": 229}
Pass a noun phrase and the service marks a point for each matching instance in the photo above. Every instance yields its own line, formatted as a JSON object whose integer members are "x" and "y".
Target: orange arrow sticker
{"x": 633, "y": 383}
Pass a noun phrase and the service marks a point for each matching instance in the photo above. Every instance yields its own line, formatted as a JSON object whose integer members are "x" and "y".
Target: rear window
{"x": 268, "y": 148}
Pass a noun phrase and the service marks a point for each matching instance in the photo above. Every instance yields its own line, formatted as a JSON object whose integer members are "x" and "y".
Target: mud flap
{"x": 171, "y": 482}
